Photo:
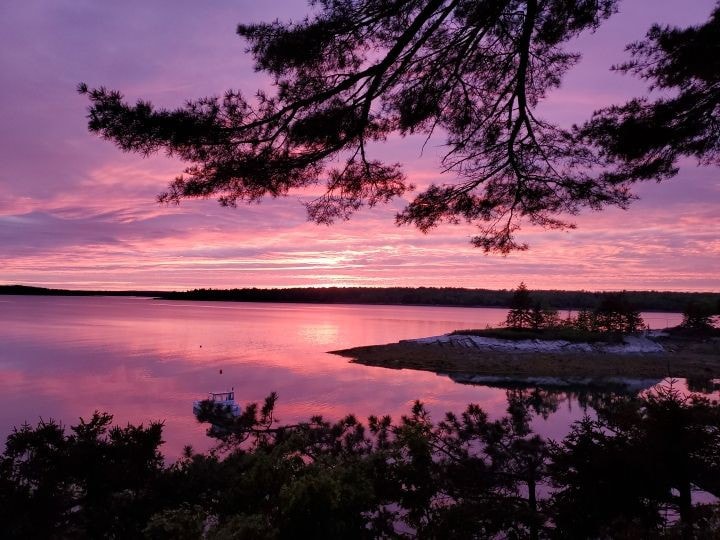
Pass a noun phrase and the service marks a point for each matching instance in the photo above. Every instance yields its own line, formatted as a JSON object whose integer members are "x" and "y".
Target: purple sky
{"x": 76, "y": 212}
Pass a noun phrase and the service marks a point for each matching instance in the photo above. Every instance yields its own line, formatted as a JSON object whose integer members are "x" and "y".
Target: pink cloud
{"x": 75, "y": 212}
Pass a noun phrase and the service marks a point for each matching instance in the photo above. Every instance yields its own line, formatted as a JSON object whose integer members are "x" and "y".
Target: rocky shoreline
{"x": 652, "y": 355}
{"x": 641, "y": 344}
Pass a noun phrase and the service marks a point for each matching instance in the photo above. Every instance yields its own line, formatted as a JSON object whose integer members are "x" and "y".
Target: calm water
{"x": 143, "y": 360}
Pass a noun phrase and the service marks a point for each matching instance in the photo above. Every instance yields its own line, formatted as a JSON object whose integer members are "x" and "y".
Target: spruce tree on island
{"x": 520, "y": 315}
{"x": 697, "y": 316}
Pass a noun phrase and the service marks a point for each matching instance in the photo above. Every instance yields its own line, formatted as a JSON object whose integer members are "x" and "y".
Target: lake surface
{"x": 143, "y": 359}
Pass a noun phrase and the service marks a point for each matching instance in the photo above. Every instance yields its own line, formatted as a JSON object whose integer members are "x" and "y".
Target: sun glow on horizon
{"x": 77, "y": 213}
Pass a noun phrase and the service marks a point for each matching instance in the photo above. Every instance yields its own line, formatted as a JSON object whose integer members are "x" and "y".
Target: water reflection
{"x": 322, "y": 333}
{"x": 146, "y": 360}
{"x": 618, "y": 385}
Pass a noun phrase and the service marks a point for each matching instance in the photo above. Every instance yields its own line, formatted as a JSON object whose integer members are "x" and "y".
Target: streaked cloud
{"x": 75, "y": 212}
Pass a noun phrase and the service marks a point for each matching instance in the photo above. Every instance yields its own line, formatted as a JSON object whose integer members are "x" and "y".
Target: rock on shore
{"x": 629, "y": 345}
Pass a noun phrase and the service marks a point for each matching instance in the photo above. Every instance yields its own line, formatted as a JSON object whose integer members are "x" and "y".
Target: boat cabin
{"x": 224, "y": 401}
{"x": 221, "y": 396}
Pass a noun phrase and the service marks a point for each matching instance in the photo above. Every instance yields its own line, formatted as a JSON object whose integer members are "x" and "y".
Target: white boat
{"x": 224, "y": 400}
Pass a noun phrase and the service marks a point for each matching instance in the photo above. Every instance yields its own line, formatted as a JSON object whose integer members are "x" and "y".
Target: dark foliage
{"x": 440, "y": 296}
{"x": 444, "y": 296}
{"x": 43, "y": 291}
{"x": 615, "y": 314}
{"x": 526, "y": 313}
{"x": 96, "y": 482}
{"x": 520, "y": 314}
{"x": 698, "y": 316}
{"x": 641, "y": 456}
{"x": 356, "y": 72}
{"x": 466, "y": 476}
{"x": 645, "y": 138}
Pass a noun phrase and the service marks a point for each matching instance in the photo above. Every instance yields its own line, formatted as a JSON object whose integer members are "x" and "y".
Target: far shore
{"x": 681, "y": 359}
{"x": 647, "y": 301}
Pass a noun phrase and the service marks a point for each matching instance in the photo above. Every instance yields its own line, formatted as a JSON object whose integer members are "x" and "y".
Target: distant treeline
{"x": 420, "y": 296}
{"x": 445, "y": 296}
{"x": 42, "y": 291}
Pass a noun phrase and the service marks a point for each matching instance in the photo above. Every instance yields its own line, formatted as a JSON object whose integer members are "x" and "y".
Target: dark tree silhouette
{"x": 92, "y": 483}
{"x": 521, "y": 309}
{"x": 644, "y": 139}
{"x": 698, "y": 316}
{"x": 467, "y": 475}
{"x": 607, "y": 469}
{"x": 527, "y": 313}
{"x": 617, "y": 314}
{"x": 356, "y": 72}
{"x": 359, "y": 71}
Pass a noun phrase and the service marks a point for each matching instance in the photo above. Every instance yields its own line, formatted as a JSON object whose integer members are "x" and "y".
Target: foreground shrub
{"x": 466, "y": 476}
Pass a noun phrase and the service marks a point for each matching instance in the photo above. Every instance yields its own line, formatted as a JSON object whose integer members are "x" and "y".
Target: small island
{"x": 608, "y": 342}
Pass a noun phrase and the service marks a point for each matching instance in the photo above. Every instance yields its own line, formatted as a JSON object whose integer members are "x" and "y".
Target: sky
{"x": 76, "y": 212}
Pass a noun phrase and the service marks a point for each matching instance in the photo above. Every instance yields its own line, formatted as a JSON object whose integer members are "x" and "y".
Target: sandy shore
{"x": 681, "y": 359}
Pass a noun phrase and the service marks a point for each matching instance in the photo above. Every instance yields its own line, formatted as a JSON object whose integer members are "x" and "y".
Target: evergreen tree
{"x": 616, "y": 314}
{"x": 521, "y": 309}
{"x": 543, "y": 317}
{"x": 645, "y": 139}
{"x": 355, "y": 72}
{"x": 584, "y": 321}
{"x": 465, "y": 476}
{"x": 537, "y": 317}
{"x": 697, "y": 316}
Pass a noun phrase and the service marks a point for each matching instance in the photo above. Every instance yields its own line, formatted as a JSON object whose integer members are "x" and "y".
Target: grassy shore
{"x": 684, "y": 358}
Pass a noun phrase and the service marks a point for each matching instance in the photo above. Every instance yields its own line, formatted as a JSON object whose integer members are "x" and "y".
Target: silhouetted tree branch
{"x": 359, "y": 71}
{"x": 646, "y": 138}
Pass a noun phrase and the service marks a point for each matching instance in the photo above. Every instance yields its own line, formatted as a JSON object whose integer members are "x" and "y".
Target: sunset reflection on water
{"x": 144, "y": 360}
